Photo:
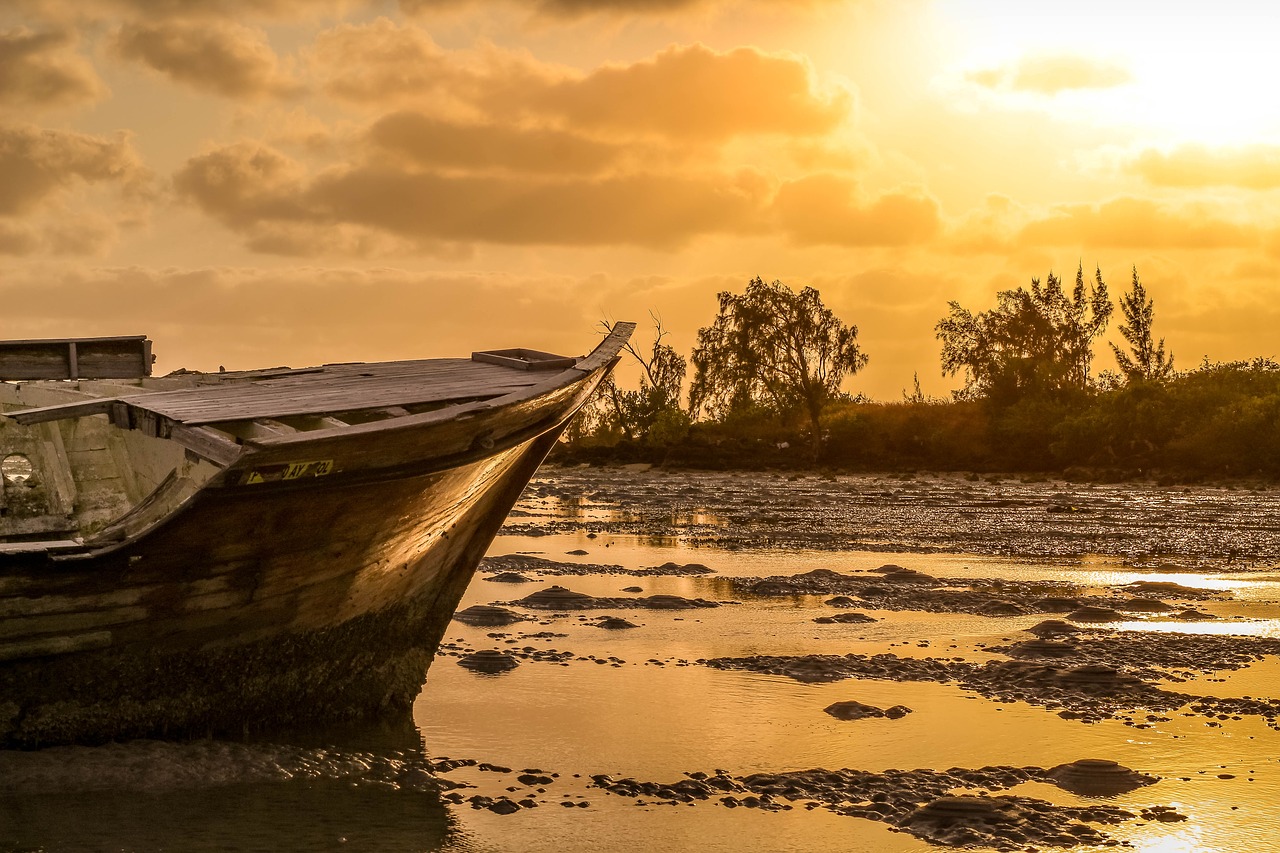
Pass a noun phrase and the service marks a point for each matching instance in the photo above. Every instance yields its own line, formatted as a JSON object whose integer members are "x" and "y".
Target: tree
{"x": 652, "y": 413}
{"x": 1036, "y": 342}
{"x": 772, "y": 347}
{"x": 1149, "y": 361}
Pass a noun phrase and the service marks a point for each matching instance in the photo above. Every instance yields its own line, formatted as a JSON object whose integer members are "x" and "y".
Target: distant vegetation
{"x": 765, "y": 392}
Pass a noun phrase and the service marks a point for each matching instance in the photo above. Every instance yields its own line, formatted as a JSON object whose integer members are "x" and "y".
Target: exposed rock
{"x": 1164, "y": 588}
{"x": 819, "y": 574}
{"x": 670, "y": 602}
{"x": 509, "y": 577}
{"x": 487, "y": 616}
{"x": 901, "y": 575}
{"x": 1043, "y": 648}
{"x": 1053, "y": 628}
{"x": 854, "y": 618}
{"x": 558, "y": 598}
{"x": 1098, "y": 777}
{"x": 1001, "y": 608}
{"x": 670, "y": 568}
{"x": 614, "y": 623}
{"x": 1098, "y": 676}
{"x": 841, "y": 601}
{"x": 853, "y": 710}
{"x": 1096, "y": 614}
{"x": 488, "y": 661}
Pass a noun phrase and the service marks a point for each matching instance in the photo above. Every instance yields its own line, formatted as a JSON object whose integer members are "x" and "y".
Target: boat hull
{"x": 309, "y": 582}
{"x": 271, "y": 637}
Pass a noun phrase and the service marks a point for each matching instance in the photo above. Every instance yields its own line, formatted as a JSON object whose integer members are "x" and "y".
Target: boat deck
{"x": 331, "y": 389}
{"x": 337, "y": 388}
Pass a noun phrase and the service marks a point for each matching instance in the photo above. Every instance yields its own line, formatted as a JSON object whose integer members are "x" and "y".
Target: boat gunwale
{"x": 606, "y": 352}
{"x": 603, "y": 356}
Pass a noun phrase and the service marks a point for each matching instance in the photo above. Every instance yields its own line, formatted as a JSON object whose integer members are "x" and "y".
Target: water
{"x": 637, "y": 703}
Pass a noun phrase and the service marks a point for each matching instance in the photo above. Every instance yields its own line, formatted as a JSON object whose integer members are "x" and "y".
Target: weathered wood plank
{"x": 62, "y": 411}
{"x": 72, "y": 358}
{"x": 60, "y": 485}
{"x": 524, "y": 359}
{"x": 205, "y": 443}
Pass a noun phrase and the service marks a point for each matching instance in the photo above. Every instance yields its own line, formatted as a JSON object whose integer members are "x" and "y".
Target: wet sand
{"x": 1080, "y": 654}
{"x": 666, "y": 660}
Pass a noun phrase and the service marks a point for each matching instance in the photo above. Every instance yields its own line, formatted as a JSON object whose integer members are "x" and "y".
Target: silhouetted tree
{"x": 652, "y": 413}
{"x": 1034, "y": 342}
{"x": 1148, "y": 361}
{"x": 770, "y": 346}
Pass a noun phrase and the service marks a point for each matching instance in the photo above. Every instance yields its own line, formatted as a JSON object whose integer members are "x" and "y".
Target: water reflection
{"x": 212, "y": 795}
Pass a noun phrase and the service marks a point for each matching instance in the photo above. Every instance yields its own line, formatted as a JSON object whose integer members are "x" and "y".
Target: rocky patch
{"x": 920, "y": 802}
{"x": 527, "y": 563}
{"x": 853, "y": 710}
{"x": 559, "y": 598}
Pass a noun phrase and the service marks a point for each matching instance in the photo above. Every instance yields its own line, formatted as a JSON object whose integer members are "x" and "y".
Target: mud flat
{"x": 1079, "y": 680}
{"x": 1149, "y": 525}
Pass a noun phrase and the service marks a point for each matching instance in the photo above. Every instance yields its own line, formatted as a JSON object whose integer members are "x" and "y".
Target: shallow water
{"x": 638, "y": 703}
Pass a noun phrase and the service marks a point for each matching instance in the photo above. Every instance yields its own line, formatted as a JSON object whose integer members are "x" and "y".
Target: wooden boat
{"x": 208, "y": 553}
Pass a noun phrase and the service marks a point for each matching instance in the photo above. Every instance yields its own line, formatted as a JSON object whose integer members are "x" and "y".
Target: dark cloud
{"x": 684, "y": 92}
{"x": 426, "y": 141}
{"x": 163, "y": 10}
{"x": 687, "y": 93}
{"x": 36, "y": 163}
{"x": 220, "y": 57}
{"x": 248, "y": 187}
{"x": 575, "y": 9}
{"x": 382, "y": 62}
{"x": 40, "y": 70}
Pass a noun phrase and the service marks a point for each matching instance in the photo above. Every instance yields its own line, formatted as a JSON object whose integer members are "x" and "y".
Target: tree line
{"x": 766, "y": 389}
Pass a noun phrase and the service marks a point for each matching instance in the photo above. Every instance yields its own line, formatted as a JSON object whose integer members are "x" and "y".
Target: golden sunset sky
{"x": 263, "y": 182}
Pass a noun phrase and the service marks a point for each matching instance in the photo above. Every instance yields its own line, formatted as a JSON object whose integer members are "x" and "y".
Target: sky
{"x": 254, "y": 183}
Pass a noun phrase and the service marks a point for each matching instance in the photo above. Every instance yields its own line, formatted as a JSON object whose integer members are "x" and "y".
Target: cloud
{"x": 1254, "y": 167}
{"x": 1049, "y": 75}
{"x": 685, "y": 93}
{"x": 425, "y": 141}
{"x": 249, "y": 187}
{"x": 165, "y": 10}
{"x": 988, "y": 228}
{"x": 41, "y": 70}
{"x": 572, "y": 10}
{"x": 219, "y": 57}
{"x": 17, "y": 238}
{"x": 244, "y": 183}
{"x": 383, "y": 62}
{"x": 1129, "y": 221}
{"x": 36, "y": 164}
{"x": 825, "y": 209}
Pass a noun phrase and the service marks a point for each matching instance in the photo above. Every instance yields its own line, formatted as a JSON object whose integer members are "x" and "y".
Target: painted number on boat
{"x": 289, "y": 471}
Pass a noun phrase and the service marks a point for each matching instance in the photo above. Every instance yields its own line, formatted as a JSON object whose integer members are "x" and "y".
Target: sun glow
{"x": 1167, "y": 73}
